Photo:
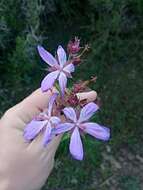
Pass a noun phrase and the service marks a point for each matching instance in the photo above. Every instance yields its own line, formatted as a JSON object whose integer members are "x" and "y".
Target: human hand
{"x": 26, "y": 166}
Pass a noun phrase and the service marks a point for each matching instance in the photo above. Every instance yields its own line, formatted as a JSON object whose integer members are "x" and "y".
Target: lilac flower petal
{"x": 87, "y": 111}
{"x": 49, "y": 80}
{"x": 76, "y": 147}
{"x": 63, "y": 127}
{"x": 51, "y": 102}
{"x": 55, "y": 120}
{"x": 47, "y": 135}
{"x": 46, "y": 56}
{"x": 61, "y": 56}
{"x": 70, "y": 113}
{"x": 97, "y": 131}
{"x": 62, "y": 82}
{"x": 69, "y": 68}
{"x": 33, "y": 128}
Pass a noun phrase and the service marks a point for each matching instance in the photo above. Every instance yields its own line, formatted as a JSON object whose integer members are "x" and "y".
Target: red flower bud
{"x": 78, "y": 88}
{"x": 73, "y": 100}
{"x": 73, "y": 46}
{"x": 76, "y": 61}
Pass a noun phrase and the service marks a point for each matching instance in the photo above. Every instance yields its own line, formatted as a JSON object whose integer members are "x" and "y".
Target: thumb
{"x": 27, "y": 109}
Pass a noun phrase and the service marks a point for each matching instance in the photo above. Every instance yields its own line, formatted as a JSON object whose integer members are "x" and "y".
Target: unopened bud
{"x": 73, "y": 100}
{"x": 73, "y": 46}
{"x": 76, "y": 60}
{"x": 78, "y": 87}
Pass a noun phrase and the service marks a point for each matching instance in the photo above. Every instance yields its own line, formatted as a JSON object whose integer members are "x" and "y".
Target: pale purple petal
{"x": 69, "y": 68}
{"x": 33, "y": 128}
{"x": 70, "y": 113}
{"x": 87, "y": 111}
{"x": 97, "y": 131}
{"x": 61, "y": 56}
{"x": 49, "y": 80}
{"x": 55, "y": 120}
{"x": 46, "y": 56}
{"x": 62, "y": 82}
{"x": 76, "y": 147}
{"x": 63, "y": 127}
{"x": 51, "y": 102}
{"x": 47, "y": 134}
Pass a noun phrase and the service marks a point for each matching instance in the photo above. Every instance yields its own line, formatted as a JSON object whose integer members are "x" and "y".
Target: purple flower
{"x": 60, "y": 67}
{"x": 79, "y": 124}
{"x": 44, "y": 121}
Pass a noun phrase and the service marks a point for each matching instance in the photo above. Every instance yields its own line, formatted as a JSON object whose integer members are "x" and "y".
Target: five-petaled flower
{"x": 60, "y": 67}
{"x": 44, "y": 121}
{"x": 79, "y": 124}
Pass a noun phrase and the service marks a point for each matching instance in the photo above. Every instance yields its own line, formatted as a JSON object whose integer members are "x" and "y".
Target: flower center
{"x": 43, "y": 117}
{"x": 61, "y": 69}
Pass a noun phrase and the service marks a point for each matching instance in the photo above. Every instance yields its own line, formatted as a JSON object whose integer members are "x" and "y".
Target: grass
{"x": 130, "y": 183}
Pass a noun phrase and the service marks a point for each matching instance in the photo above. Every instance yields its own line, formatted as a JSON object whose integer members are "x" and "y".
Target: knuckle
{"x": 8, "y": 113}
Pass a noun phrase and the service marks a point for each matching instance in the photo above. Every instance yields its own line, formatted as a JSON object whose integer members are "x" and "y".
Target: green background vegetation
{"x": 114, "y": 30}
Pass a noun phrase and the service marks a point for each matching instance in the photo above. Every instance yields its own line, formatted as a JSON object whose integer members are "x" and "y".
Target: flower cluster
{"x": 77, "y": 112}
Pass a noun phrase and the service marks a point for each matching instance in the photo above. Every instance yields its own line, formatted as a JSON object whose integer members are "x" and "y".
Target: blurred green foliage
{"x": 113, "y": 29}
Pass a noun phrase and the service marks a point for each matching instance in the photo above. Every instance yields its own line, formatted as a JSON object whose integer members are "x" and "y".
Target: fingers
{"x": 89, "y": 96}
